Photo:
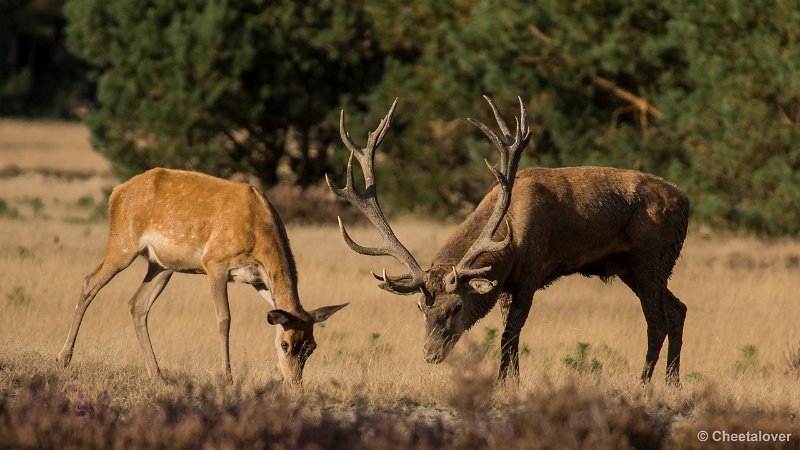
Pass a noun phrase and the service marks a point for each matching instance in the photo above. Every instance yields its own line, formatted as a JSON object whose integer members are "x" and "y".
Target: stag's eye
{"x": 285, "y": 346}
{"x": 458, "y": 307}
{"x": 419, "y": 307}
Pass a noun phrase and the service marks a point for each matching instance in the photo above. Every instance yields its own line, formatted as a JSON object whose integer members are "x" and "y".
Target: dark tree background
{"x": 705, "y": 94}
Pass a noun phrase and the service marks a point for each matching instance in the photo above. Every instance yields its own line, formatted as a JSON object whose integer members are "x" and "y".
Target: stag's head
{"x": 294, "y": 338}
{"x": 446, "y": 293}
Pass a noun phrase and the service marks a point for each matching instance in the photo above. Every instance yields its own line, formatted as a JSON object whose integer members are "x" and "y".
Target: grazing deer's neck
{"x": 279, "y": 262}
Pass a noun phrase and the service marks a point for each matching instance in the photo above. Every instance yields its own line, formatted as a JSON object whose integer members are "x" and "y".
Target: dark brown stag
{"x": 589, "y": 220}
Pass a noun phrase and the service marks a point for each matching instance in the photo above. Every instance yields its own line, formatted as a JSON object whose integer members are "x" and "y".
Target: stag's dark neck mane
{"x": 476, "y": 307}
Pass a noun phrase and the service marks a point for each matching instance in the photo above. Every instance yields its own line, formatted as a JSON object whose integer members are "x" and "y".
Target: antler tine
{"x": 500, "y": 121}
{"x": 382, "y": 128}
{"x": 523, "y": 119}
{"x": 510, "y": 150}
{"x": 489, "y": 133}
{"x": 367, "y": 203}
{"x": 348, "y": 142}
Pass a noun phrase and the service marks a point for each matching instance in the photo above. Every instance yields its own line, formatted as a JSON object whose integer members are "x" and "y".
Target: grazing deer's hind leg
{"x": 218, "y": 277}
{"x": 153, "y": 284}
{"x": 112, "y": 264}
{"x": 515, "y": 312}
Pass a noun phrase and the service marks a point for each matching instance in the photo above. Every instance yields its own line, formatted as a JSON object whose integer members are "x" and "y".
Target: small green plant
{"x": 19, "y": 296}
{"x": 747, "y": 361}
{"x": 581, "y": 361}
{"x": 373, "y": 338}
{"x": 23, "y": 252}
{"x": 7, "y": 211}
{"x": 86, "y": 201}
{"x": 525, "y": 350}
{"x": 489, "y": 344}
{"x": 376, "y": 346}
{"x": 36, "y": 204}
{"x": 96, "y": 211}
{"x": 694, "y": 377}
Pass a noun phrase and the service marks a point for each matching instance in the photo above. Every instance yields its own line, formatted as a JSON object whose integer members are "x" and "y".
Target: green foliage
{"x": 220, "y": 87}
{"x": 724, "y": 77}
{"x": 581, "y": 361}
{"x": 94, "y": 211}
{"x": 246, "y": 87}
{"x": 489, "y": 344}
{"x": 376, "y": 346}
{"x": 19, "y": 296}
{"x": 7, "y": 211}
{"x": 35, "y": 204}
{"x": 747, "y": 361}
{"x": 38, "y": 78}
{"x": 694, "y": 377}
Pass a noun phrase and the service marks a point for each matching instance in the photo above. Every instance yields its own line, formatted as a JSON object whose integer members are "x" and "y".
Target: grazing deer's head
{"x": 444, "y": 291}
{"x": 294, "y": 338}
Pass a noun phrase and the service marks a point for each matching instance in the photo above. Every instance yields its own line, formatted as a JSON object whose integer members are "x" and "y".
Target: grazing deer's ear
{"x": 482, "y": 285}
{"x": 279, "y": 317}
{"x": 320, "y": 314}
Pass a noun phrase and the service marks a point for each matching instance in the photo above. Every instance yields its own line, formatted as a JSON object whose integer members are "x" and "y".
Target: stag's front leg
{"x": 515, "y": 309}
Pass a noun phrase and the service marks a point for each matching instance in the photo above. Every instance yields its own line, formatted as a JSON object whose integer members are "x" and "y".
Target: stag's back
{"x": 578, "y": 219}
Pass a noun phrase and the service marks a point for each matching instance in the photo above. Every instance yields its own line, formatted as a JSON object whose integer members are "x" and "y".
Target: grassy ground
{"x": 740, "y": 357}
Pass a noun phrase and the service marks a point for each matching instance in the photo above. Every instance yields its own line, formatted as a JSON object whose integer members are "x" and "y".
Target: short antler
{"x": 367, "y": 203}
{"x": 511, "y": 148}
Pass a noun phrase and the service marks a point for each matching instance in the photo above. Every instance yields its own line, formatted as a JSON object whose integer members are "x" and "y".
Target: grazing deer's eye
{"x": 285, "y": 346}
{"x": 458, "y": 307}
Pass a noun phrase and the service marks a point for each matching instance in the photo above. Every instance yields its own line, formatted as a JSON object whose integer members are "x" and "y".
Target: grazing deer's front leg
{"x": 218, "y": 276}
{"x": 515, "y": 312}
{"x": 153, "y": 284}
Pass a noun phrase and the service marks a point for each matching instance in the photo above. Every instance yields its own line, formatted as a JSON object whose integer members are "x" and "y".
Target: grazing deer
{"x": 588, "y": 220}
{"x": 195, "y": 223}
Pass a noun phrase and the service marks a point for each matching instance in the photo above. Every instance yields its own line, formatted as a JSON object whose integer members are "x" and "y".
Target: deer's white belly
{"x": 168, "y": 253}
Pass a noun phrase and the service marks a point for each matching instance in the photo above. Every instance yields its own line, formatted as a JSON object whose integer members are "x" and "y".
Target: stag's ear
{"x": 279, "y": 317}
{"x": 321, "y": 314}
{"x": 482, "y": 285}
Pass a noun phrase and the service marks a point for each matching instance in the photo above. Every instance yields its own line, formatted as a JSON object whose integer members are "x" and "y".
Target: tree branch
{"x": 641, "y": 104}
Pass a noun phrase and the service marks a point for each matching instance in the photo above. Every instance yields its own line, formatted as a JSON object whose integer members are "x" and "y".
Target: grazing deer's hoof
{"x": 63, "y": 360}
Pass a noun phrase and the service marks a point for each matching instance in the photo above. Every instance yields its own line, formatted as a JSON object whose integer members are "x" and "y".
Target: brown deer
{"x": 589, "y": 220}
{"x": 194, "y": 223}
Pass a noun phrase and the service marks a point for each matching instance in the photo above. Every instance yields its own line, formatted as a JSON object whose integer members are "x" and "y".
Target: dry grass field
{"x": 741, "y": 354}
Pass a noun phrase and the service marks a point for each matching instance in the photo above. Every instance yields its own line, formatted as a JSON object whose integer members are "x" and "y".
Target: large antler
{"x": 511, "y": 148}
{"x": 367, "y": 203}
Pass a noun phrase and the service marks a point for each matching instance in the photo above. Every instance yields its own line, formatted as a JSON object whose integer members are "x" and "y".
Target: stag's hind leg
{"x": 651, "y": 297}
{"x": 676, "y": 315}
{"x": 153, "y": 284}
{"x": 113, "y": 263}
